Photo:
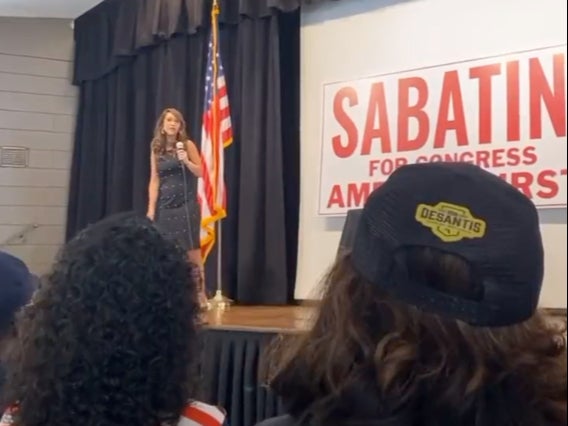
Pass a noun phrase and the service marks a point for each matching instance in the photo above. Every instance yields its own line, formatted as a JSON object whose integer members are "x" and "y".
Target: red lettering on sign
{"x": 353, "y": 195}
{"x": 377, "y": 110}
{"x": 340, "y": 148}
{"x": 513, "y": 102}
{"x": 427, "y": 120}
{"x": 415, "y": 111}
{"x": 554, "y": 98}
{"x": 484, "y": 74}
{"x": 547, "y": 180}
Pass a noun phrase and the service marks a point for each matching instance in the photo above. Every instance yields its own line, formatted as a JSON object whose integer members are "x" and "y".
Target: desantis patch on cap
{"x": 450, "y": 222}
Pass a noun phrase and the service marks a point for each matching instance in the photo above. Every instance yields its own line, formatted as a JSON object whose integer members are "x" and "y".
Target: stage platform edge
{"x": 262, "y": 319}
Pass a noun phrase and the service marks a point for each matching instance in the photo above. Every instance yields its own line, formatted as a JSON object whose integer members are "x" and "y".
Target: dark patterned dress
{"x": 177, "y": 209}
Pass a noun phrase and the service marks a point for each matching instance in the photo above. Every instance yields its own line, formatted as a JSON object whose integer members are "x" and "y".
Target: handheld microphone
{"x": 180, "y": 146}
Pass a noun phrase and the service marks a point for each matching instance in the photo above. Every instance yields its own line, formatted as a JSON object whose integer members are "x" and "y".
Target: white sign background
{"x": 537, "y": 166}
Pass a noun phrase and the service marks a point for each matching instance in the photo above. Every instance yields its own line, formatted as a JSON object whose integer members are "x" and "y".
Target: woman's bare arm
{"x": 193, "y": 161}
{"x": 153, "y": 187}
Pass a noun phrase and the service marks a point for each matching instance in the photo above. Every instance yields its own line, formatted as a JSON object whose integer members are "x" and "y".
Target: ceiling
{"x": 46, "y": 8}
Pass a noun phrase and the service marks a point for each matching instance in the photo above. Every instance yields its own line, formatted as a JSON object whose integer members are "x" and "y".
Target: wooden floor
{"x": 279, "y": 319}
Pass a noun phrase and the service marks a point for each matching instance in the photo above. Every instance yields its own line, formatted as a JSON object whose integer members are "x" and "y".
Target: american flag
{"x": 216, "y": 134}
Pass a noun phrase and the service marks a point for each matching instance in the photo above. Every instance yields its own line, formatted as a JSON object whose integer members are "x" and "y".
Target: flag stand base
{"x": 219, "y": 302}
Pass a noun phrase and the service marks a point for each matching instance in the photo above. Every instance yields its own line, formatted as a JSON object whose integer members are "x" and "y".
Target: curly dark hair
{"x": 370, "y": 355}
{"x": 111, "y": 336}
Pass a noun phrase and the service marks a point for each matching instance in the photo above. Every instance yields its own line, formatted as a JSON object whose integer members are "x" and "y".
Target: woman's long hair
{"x": 111, "y": 337}
{"x": 160, "y": 141}
{"x": 369, "y": 354}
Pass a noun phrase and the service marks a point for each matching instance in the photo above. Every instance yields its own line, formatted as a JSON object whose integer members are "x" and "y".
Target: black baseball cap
{"x": 463, "y": 210}
{"x": 17, "y": 285}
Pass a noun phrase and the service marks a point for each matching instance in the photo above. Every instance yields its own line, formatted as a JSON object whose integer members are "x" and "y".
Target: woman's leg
{"x": 194, "y": 257}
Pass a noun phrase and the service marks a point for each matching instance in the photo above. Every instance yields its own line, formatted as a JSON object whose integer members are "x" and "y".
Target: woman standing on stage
{"x": 175, "y": 166}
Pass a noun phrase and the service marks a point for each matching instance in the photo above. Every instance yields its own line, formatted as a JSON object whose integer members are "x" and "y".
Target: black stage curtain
{"x": 134, "y": 58}
{"x": 231, "y": 370}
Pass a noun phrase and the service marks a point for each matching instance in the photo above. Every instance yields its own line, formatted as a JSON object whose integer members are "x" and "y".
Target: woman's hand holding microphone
{"x": 181, "y": 152}
{"x": 184, "y": 158}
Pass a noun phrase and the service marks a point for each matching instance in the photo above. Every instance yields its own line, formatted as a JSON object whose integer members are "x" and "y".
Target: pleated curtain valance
{"x": 115, "y": 30}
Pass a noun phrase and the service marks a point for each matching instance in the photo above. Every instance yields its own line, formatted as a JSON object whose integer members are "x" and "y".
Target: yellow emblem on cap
{"x": 450, "y": 222}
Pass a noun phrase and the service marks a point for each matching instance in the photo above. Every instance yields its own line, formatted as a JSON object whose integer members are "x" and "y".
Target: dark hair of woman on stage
{"x": 369, "y": 356}
{"x": 111, "y": 337}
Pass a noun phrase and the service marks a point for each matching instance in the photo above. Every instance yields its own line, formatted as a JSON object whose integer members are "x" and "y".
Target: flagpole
{"x": 219, "y": 301}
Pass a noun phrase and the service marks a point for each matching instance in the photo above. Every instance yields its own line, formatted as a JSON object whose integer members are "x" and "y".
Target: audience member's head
{"x": 17, "y": 285}
{"x": 111, "y": 336}
{"x": 433, "y": 314}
